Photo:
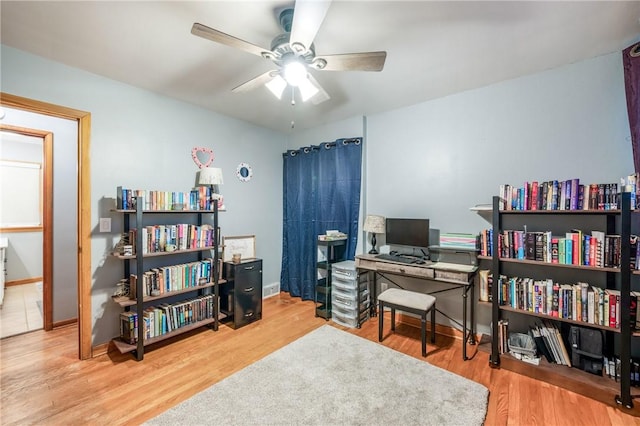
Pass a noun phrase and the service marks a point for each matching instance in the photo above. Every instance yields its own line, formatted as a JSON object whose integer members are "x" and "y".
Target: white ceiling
{"x": 433, "y": 48}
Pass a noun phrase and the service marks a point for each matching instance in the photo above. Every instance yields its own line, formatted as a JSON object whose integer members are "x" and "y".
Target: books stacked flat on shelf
{"x": 332, "y": 236}
{"x": 458, "y": 240}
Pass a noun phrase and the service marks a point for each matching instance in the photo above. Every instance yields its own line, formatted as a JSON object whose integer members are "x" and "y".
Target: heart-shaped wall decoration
{"x": 203, "y": 157}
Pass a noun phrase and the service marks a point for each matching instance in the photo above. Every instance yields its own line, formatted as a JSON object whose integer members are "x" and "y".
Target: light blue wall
{"x": 143, "y": 140}
{"x": 435, "y": 159}
{"x": 438, "y": 158}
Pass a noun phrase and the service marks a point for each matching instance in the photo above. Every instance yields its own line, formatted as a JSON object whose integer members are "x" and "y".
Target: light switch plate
{"x": 105, "y": 224}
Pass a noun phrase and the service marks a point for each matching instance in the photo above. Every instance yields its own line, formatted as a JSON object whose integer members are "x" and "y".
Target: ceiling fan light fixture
{"x": 295, "y": 73}
{"x": 307, "y": 89}
{"x": 277, "y": 86}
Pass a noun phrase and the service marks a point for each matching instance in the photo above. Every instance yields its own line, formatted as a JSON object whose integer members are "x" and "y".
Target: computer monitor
{"x": 407, "y": 232}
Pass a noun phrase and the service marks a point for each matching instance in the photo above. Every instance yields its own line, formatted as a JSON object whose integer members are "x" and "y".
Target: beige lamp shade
{"x": 374, "y": 224}
{"x": 210, "y": 176}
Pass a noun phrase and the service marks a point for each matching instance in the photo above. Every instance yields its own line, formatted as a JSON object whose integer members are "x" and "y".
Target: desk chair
{"x": 408, "y": 301}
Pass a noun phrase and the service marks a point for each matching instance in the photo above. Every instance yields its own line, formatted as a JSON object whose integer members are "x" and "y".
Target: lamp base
{"x": 373, "y": 244}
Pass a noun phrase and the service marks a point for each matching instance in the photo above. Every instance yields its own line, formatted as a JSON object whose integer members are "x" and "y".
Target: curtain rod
{"x": 327, "y": 145}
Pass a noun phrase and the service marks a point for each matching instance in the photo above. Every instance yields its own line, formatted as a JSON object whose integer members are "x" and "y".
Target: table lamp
{"x": 212, "y": 177}
{"x": 375, "y": 225}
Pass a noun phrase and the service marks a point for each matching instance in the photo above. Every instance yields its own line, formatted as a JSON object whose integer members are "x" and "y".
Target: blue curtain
{"x": 321, "y": 191}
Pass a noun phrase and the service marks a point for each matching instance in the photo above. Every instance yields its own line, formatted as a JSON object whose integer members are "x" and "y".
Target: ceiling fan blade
{"x": 255, "y": 82}
{"x": 307, "y": 18}
{"x": 366, "y": 61}
{"x": 226, "y": 39}
{"x": 321, "y": 96}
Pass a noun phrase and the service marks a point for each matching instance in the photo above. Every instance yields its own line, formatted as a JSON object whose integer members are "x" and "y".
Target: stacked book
{"x": 458, "y": 240}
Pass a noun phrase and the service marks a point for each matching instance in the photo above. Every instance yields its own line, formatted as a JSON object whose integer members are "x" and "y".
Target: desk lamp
{"x": 375, "y": 225}
{"x": 212, "y": 177}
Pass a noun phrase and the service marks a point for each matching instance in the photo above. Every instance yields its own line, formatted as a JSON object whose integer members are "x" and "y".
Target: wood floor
{"x": 43, "y": 382}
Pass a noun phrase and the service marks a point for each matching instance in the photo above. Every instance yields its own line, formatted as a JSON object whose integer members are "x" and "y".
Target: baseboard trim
{"x": 100, "y": 349}
{"x": 64, "y": 323}
{"x": 23, "y": 281}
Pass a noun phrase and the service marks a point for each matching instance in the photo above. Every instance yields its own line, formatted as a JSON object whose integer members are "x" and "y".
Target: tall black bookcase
{"x": 141, "y": 302}
{"x": 613, "y": 222}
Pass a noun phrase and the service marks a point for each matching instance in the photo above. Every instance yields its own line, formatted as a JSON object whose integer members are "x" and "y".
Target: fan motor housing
{"x": 281, "y": 48}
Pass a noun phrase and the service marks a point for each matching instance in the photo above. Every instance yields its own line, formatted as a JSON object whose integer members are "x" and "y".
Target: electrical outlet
{"x": 105, "y": 224}
{"x": 383, "y": 287}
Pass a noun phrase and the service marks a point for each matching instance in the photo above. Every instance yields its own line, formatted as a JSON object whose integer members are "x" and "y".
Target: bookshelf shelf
{"x": 556, "y": 265}
{"x": 561, "y": 212}
{"x": 151, "y": 319}
{"x": 164, "y": 253}
{"x": 125, "y": 301}
{"x": 565, "y": 320}
{"x": 124, "y": 347}
{"x": 618, "y": 340}
{"x": 167, "y": 211}
{"x": 602, "y": 389}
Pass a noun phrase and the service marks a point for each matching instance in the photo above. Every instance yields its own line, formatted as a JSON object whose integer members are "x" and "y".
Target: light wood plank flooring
{"x": 43, "y": 383}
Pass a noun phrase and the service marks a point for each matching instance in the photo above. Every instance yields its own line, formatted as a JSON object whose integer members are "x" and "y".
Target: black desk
{"x": 454, "y": 276}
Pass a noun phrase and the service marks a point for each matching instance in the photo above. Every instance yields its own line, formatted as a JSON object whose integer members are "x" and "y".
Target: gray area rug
{"x": 331, "y": 377}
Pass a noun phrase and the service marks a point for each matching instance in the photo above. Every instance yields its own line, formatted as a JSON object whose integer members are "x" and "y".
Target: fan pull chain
{"x": 293, "y": 103}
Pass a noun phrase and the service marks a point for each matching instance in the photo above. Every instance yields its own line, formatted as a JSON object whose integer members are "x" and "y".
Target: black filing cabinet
{"x": 241, "y": 295}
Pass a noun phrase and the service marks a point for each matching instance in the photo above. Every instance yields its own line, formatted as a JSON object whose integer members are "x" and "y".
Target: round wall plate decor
{"x": 244, "y": 172}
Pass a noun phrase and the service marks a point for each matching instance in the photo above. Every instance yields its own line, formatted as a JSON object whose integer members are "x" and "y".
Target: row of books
{"x": 198, "y": 198}
{"x": 567, "y": 194}
{"x": 578, "y": 302}
{"x": 574, "y": 248}
{"x": 612, "y": 367}
{"x": 165, "y": 279}
{"x": 183, "y": 236}
{"x": 165, "y": 318}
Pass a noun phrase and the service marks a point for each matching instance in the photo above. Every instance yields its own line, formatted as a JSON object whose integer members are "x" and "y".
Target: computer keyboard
{"x": 396, "y": 258}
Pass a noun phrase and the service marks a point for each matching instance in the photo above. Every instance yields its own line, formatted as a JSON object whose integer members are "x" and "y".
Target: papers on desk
{"x": 444, "y": 266}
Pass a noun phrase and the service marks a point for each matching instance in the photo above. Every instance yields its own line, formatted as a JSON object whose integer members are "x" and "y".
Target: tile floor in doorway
{"x": 21, "y": 310}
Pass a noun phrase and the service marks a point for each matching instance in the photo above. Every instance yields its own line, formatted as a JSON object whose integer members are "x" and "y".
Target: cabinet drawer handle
{"x": 248, "y": 290}
{"x": 248, "y": 268}
{"x": 248, "y": 314}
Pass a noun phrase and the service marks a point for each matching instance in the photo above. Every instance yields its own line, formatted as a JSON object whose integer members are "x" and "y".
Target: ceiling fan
{"x": 293, "y": 53}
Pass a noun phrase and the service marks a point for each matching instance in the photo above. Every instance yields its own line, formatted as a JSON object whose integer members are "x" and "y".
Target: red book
{"x": 612, "y": 310}
{"x": 534, "y": 195}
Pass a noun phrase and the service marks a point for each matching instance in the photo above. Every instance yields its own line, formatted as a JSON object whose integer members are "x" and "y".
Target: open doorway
{"x": 26, "y": 209}
{"x": 82, "y": 250}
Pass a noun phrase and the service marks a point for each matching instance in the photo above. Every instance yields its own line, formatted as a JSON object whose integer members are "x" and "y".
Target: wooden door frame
{"x": 46, "y": 211}
{"x": 83, "y": 120}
